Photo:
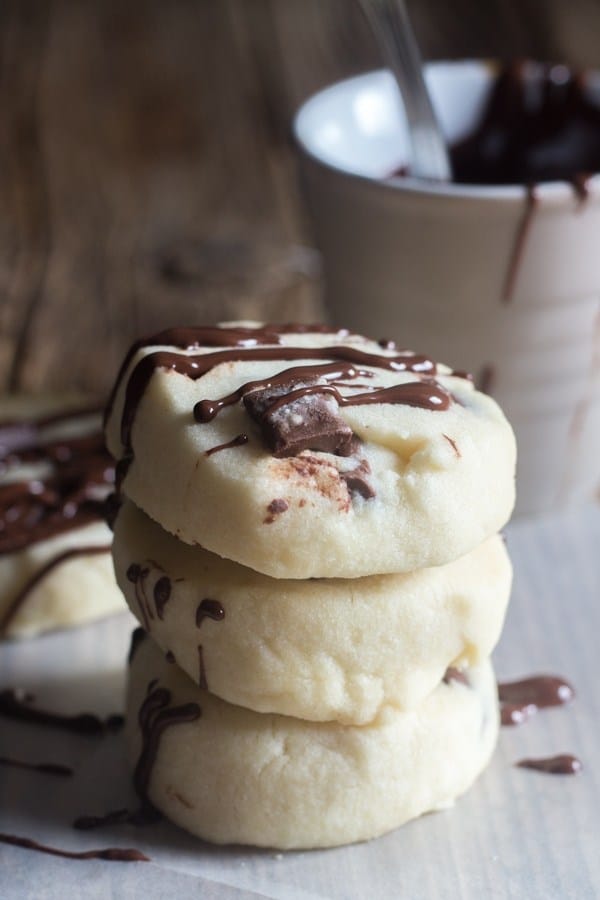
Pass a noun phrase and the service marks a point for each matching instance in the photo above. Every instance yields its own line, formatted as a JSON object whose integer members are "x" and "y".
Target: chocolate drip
{"x": 154, "y": 718}
{"x": 237, "y": 441}
{"x": 162, "y": 593}
{"x": 45, "y": 768}
{"x": 209, "y": 609}
{"x": 115, "y": 854}
{"x": 563, "y": 764}
{"x": 520, "y": 242}
{"x": 521, "y": 699}
{"x": 170, "y": 656}
{"x": 14, "y": 704}
{"x": 137, "y": 636}
{"x": 35, "y": 579}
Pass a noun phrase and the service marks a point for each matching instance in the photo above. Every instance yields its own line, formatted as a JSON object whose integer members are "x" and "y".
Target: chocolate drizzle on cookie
{"x": 207, "y": 609}
{"x": 296, "y": 409}
{"x": 138, "y": 574}
{"x": 155, "y": 717}
{"x": 16, "y": 604}
{"x": 69, "y": 496}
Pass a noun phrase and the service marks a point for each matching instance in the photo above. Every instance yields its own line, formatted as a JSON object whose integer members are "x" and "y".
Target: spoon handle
{"x": 391, "y": 25}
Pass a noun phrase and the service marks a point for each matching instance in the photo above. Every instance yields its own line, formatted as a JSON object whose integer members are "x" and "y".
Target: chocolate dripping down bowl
{"x": 501, "y": 278}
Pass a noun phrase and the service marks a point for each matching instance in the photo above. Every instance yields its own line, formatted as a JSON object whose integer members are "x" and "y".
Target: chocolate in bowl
{"x": 540, "y": 123}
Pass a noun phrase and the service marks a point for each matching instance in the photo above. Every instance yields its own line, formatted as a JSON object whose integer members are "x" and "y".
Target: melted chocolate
{"x": 155, "y": 716}
{"x": 32, "y": 511}
{"x": 41, "y": 573}
{"x": 521, "y": 699}
{"x": 520, "y": 242}
{"x": 563, "y": 764}
{"x": 195, "y": 367}
{"x": 539, "y": 125}
{"x": 162, "y": 593}
{"x": 138, "y": 574}
{"x": 115, "y": 854}
{"x": 45, "y": 768}
{"x": 237, "y": 441}
{"x": 14, "y": 704}
{"x": 209, "y": 609}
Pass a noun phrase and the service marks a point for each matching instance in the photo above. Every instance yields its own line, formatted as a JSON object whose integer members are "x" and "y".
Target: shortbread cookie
{"x": 231, "y": 775}
{"x": 55, "y": 566}
{"x": 303, "y": 454}
{"x": 318, "y": 649}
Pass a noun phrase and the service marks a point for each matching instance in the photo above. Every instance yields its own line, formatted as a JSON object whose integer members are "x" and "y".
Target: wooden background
{"x": 146, "y": 171}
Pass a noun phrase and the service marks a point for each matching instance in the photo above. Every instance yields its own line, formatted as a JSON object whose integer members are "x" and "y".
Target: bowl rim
{"x": 547, "y": 191}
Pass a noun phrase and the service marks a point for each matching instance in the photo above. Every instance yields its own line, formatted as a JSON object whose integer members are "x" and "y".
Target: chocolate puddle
{"x": 563, "y": 764}
{"x": 519, "y": 700}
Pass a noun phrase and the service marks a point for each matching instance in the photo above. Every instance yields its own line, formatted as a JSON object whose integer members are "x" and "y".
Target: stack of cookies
{"x": 308, "y": 535}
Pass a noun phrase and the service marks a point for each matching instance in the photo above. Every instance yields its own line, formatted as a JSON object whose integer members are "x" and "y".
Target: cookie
{"x": 324, "y": 649}
{"x": 231, "y": 775}
{"x": 304, "y": 453}
{"x": 55, "y": 474}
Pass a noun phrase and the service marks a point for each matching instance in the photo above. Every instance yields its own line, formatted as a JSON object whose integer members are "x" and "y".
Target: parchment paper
{"x": 517, "y": 834}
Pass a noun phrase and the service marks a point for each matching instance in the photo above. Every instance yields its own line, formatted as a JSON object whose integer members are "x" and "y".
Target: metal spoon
{"x": 391, "y": 25}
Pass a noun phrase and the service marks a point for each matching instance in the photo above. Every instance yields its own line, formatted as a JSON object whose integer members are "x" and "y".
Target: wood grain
{"x": 146, "y": 169}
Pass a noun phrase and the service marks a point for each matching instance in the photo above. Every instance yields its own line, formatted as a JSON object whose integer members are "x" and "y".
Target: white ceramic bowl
{"x": 428, "y": 265}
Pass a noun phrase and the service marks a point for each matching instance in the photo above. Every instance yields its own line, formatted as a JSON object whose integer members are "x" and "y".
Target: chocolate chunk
{"x": 454, "y": 674}
{"x": 357, "y": 480}
{"x": 308, "y": 422}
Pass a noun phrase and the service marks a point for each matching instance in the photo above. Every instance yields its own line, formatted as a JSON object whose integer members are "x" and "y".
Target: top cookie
{"x": 303, "y": 452}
